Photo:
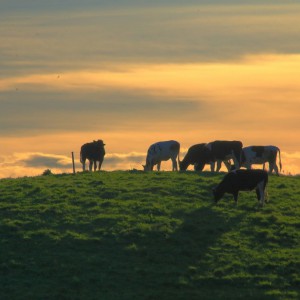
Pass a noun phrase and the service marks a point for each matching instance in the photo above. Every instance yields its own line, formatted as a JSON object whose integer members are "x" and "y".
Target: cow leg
{"x": 174, "y": 164}
{"x": 235, "y": 196}
{"x": 90, "y": 165}
{"x": 95, "y": 165}
{"x": 83, "y": 165}
{"x": 158, "y": 166}
{"x": 276, "y": 169}
{"x": 248, "y": 166}
{"x": 227, "y": 164}
{"x": 199, "y": 167}
{"x": 235, "y": 162}
{"x": 257, "y": 193}
{"x": 260, "y": 192}
{"x": 212, "y": 166}
{"x": 219, "y": 163}
{"x": 100, "y": 164}
{"x": 271, "y": 167}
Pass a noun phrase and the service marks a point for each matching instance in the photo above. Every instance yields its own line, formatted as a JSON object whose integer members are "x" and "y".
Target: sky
{"x": 133, "y": 73}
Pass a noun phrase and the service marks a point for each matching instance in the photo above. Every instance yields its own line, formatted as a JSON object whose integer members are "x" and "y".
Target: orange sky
{"x": 195, "y": 74}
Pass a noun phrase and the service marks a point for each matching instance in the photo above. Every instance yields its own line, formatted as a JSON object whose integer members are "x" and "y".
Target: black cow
{"x": 242, "y": 180}
{"x": 197, "y": 155}
{"x": 218, "y": 151}
{"x": 224, "y": 151}
{"x": 94, "y": 152}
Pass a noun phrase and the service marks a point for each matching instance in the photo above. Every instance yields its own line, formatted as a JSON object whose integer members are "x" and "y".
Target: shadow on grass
{"x": 143, "y": 263}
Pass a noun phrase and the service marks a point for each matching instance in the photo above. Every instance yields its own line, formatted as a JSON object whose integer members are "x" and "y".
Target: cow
{"x": 194, "y": 154}
{"x": 261, "y": 155}
{"x": 199, "y": 155}
{"x": 225, "y": 151}
{"x": 94, "y": 152}
{"x": 162, "y": 151}
{"x": 242, "y": 180}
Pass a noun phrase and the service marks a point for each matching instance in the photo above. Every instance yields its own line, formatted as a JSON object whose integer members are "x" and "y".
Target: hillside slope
{"x": 136, "y": 235}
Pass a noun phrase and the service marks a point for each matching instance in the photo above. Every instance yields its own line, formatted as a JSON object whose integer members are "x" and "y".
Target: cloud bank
{"x": 21, "y": 164}
{"x": 58, "y": 37}
{"x": 24, "y": 113}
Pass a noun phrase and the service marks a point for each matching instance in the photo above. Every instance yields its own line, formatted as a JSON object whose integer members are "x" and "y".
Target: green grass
{"x": 136, "y": 235}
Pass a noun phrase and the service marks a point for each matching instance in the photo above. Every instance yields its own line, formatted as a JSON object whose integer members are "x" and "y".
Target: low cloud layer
{"x": 36, "y": 160}
{"x": 47, "y": 161}
{"x": 101, "y": 35}
{"x": 32, "y": 164}
{"x": 118, "y": 160}
{"x": 27, "y": 112}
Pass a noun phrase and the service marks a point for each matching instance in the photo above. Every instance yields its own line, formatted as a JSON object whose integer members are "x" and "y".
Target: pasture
{"x": 135, "y": 235}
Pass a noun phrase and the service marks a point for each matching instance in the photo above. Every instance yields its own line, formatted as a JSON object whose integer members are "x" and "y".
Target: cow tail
{"x": 280, "y": 165}
{"x": 80, "y": 156}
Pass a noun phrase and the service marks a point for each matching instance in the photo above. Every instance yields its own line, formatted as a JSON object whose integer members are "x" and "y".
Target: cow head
{"x": 218, "y": 194}
{"x": 99, "y": 143}
{"x": 182, "y": 165}
{"x": 148, "y": 166}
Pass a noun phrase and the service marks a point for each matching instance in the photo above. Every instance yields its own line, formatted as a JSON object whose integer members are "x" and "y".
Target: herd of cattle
{"x": 197, "y": 155}
{"x": 231, "y": 153}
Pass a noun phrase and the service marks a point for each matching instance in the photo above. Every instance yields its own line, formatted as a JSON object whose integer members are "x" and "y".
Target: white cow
{"x": 260, "y": 155}
{"x": 162, "y": 151}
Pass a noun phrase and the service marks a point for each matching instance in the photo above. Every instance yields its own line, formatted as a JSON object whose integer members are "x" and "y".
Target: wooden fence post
{"x": 73, "y": 162}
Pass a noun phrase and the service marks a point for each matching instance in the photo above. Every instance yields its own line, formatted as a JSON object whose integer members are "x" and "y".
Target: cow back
{"x": 93, "y": 151}
{"x": 221, "y": 149}
{"x": 258, "y": 150}
{"x": 243, "y": 180}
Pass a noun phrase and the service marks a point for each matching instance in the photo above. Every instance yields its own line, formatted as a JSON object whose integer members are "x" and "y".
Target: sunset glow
{"x": 187, "y": 77}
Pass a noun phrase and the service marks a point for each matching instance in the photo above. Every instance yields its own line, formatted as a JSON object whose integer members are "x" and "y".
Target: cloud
{"x": 30, "y": 163}
{"x": 48, "y": 161}
{"x": 36, "y": 160}
{"x": 101, "y": 35}
{"x": 25, "y": 112}
{"x": 157, "y": 97}
{"x": 34, "y": 163}
{"x": 117, "y": 160}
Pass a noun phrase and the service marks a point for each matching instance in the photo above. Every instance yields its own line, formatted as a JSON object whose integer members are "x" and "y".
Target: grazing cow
{"x": 261, "y": 155}
{"x": 195, "y": 153}
{"x": 198, "y": 155}
{"x": 94, "y": 152}
{"x": 242, "y": 180}
{"x": 162, "y": 151}
{"x": 221, "y": 151}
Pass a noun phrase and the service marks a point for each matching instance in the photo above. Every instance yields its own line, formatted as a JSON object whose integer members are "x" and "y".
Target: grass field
{"x": 135, "y": 235}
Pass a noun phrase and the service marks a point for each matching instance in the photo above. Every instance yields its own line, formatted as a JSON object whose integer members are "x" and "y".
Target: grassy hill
{"x": 136, "y": 235}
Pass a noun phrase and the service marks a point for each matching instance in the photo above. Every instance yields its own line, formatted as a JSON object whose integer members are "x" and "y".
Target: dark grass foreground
{"x": 136, "y": 235}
